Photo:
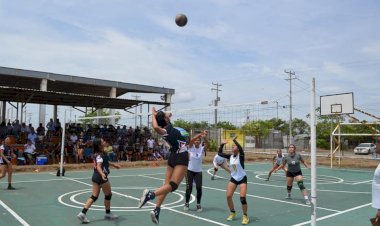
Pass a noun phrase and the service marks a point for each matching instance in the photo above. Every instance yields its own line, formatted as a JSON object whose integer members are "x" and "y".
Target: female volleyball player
{"x": 277, "y": 161}
{"x": 100, "y": 181}
{"x": 194, "y": 170}
{"x": 293, "y": 161}
{"x": 222, "y": 162}
{"x": 177, "y": 162}
{"x": 238, "y": 178}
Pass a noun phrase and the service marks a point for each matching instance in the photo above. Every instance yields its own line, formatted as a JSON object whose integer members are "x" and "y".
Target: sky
{"x": 244, "y": 45}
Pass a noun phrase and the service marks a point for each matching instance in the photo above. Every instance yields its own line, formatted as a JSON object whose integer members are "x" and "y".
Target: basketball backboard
{"x": 337, "y": 104}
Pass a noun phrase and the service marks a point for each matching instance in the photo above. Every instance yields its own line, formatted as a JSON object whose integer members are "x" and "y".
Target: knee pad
{"x": 94, "y": 198}
{"x": 289, "y": 188}
{"x": 173, "y": 185}
{"x": 108, "y": 197}
{"x": 243, "y": 200}
{"x": 300, "y": 185}
{"x": 215, "y": 169}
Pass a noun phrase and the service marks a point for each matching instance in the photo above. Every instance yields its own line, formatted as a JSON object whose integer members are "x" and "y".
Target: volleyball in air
{"x": 181, "y": 19}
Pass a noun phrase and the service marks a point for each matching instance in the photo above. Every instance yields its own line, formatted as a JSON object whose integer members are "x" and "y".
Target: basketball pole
{"x": 313, "y": 156}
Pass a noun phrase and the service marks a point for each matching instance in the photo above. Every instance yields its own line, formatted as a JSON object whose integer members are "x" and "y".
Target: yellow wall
{"x": 230, "y": 134}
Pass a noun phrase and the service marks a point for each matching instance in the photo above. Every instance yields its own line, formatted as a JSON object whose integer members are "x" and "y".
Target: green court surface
{"x": 344, "y": 198}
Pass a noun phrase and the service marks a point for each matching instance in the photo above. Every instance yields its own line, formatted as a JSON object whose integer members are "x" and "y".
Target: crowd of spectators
{"x": 124, "y": 144}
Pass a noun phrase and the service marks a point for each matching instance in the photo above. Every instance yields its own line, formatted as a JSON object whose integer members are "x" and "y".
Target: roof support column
{"x": 42, "y": 113}
{"x": 3, "y": 110}
{"x": 55, "y": 113}
{"x": 168, "y": 99}
{"x": 112, "y": 111}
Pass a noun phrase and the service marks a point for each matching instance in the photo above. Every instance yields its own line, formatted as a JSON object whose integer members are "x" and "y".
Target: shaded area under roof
{"x": 23, "y": 95}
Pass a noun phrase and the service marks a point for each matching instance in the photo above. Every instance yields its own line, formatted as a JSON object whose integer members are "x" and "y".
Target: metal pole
{"x": 140, "y": 115}
{"x": 290, "y": 113}
{"x": 277, "y": 109}
{"x": 313, "y": 149}
{"x": 62, "y": 143}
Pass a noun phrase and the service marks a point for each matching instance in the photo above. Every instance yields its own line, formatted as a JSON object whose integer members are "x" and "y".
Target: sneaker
{"x": 267, "y": 179}
{"x": 199, "y": 208}
{"x": 146, "y": 196}
{"x": 231, "y": 217}
{"x": 186, "y": 207}
{"x": 212, "y": 178}
{"x": 288, "y": 196}
{"x": 245, "y": 219}
{"x": 154, "y": 215}
{"x": 11, "y": 188}
{"x": 83, "y": 218}
{"x": 307, "y": 202}
{"x": 110, "y": 216}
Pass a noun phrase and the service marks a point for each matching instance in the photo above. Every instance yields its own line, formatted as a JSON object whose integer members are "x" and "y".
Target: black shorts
{"x": 290, "y": 174}
{"x": 96, "y": 178}
{"x": 242, "y": 181}
{"x": 176, "y": 159}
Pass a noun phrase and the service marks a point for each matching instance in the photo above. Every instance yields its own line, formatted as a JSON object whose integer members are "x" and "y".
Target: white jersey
{"x": 195, "y": 159}
{"x": 376, "y": 188}
{"x": 218, "y": 160}
{"x": 237, "y": 171}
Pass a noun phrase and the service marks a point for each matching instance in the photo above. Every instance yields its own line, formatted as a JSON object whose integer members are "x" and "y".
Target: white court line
{"x": 362, "y": 182}
{"x": 78, "y": 178}
{"x": 352, "y": 170}
{"x": 168, "y": 208}
{"x": 281, "y": 186}
{"x": 333, "y": 215}
{"x": 259, "y": 197}
{"x": 22, "y": 221}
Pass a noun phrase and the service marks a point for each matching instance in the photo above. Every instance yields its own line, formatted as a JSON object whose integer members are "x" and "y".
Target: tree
{"x": 259, "y": 129}
{"x": 183, "y": 124}
{"x": 199, "y": 125}
{"x": 278, "y": 124}
{"x": 324, "y": 127}
{"x": 226, "y": 125}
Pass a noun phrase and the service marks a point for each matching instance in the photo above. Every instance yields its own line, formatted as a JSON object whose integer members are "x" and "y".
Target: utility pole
{"x": 292, "y": 76}
{"x": 217, "y": 99}
{"x": 136, "y": 97}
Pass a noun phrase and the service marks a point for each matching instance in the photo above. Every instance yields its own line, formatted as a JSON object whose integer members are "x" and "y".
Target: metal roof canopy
{"x": 18, "y": 85}
{"x": 22, "y": 95}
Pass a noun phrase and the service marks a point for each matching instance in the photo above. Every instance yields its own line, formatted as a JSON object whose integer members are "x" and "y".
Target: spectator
{"x": 50, "y": 126}
{"x": 3, "y": 131}
{"x": 29, "y": 152}
{"x": 16, "y": 128}
{"x": 81, "y": 145}
{"x": 9, "y": 128}
{"x": 108, "y": 148}
{"x": 70, "y": 152}
{"x": 40, "y": 130}
{"x": 157, "y": 156}
{"x": 32, "y": 136}
{"x": 74, "y": 138}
